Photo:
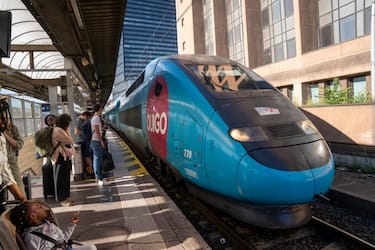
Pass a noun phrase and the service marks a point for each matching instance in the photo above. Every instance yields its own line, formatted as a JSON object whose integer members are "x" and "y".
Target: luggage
{"x": 77, "y": 167}
{"x": 62, "y": 179}
{"x": 48, "y": 180}
{"x": 107, "y": 163}
{"x": 26, "y": 179}
{"x": 56, "y": 179}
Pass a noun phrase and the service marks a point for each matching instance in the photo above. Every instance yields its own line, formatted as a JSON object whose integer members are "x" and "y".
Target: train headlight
{"x": 248, "y": 134}
{"x": 308, "y": 127}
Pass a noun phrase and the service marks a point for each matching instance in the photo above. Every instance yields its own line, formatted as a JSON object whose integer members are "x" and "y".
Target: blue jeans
{"x": 97, "y": 152}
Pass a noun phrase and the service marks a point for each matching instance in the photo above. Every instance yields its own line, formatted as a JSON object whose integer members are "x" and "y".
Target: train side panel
{"x": 222, "y": 157}
{"x": 131, "y": 116}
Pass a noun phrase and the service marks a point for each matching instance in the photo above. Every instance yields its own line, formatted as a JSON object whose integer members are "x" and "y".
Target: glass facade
{"x": 340, "y": 21}
{"x": 235, "y": 30}
{"x": 150, "y": 32}
{"x": 208, "y": 27}
{"x": 278, "y": 30}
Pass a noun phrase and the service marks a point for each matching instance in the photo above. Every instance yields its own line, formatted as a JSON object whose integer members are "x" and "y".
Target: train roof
{"x": 200, "y": 59}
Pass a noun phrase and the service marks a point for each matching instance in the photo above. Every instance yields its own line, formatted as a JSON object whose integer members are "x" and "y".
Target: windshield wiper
{"x": 211, "y": 82}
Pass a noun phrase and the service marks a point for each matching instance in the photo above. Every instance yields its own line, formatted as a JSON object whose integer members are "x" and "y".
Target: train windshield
{"x": 228, "y": 77}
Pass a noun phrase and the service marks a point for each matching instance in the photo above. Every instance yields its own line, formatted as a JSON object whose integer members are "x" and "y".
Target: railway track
{"x": 224, "y": 232}
{"x": 350, "y": 240}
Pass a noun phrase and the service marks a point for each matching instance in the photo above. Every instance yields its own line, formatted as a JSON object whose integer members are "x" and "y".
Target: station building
{"x": 303, "y": 48}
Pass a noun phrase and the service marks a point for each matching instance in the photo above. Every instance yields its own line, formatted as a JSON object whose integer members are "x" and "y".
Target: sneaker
{"x": 100, "y": 183}
{"x": 66, "y": 203}
{"x": 106, "y": 182}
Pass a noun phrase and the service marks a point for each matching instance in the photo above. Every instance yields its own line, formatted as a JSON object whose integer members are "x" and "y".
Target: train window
{"x": 150, "y": 68}
{"x": 158, "y": 88}
{"x": 228, "y": 77}
{"x": 136, "y": 83}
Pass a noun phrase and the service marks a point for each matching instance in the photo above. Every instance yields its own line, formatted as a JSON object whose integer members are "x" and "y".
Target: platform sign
{"x": 46, "y": 107}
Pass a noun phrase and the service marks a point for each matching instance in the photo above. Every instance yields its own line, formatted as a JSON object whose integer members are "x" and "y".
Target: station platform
{"x": 354, "y": 190}
{"x": 133, "y": 212}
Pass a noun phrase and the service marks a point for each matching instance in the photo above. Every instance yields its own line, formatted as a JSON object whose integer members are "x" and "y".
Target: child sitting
{"x": 33, "y": 219}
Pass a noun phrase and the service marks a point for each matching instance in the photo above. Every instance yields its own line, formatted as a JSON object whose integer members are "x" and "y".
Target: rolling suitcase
{"x": 62, "y": 179}
{"x": 48, "y": 180}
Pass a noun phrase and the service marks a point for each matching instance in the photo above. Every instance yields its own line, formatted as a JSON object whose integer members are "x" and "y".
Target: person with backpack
{"x": 61, "y": 158}
{"x": 49, "y": 120}
{"x": 83, "y": 134}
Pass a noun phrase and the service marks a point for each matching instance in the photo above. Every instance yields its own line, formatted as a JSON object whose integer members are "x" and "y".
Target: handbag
{"x": 107, "y": 163}
{"x": 69, "y": 150}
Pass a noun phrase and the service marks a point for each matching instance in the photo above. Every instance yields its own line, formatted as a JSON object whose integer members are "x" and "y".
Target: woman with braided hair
{"x": 35, "y": 222}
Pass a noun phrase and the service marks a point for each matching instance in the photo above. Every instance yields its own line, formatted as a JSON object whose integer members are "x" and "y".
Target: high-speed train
{"x": 236, "y": 141}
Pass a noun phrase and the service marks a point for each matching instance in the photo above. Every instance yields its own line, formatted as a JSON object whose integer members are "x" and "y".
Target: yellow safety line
{"x": 140, "y": 171}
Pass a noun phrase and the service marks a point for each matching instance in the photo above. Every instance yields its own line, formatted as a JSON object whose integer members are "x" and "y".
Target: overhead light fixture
{"x": 84, "y": 61}
{"x": 91, "y": 58}
{"x": 77, "y": 14}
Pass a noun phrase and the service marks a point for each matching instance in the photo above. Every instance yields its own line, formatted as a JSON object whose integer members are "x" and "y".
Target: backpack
{"x": 43, "y": 142}
{"x": 86, "y": 130}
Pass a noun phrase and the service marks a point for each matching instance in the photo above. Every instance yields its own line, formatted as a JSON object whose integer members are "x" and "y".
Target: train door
{"x": 190, "y": 137}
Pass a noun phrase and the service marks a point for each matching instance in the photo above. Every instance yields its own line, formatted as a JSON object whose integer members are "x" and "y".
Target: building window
{"x": 367, "y": 24}
{"x": 359, "y": 92}
{"x": 279, "y": 52}
{"x": 287, "y": 91}
{"x": 341, "y": 21}
{"x": 288, "y": 8}
{"x": 291, "y": 47}
{"x": 326, "y": 35}
{"x": 235, "y": 30}
{"x": 265, "y": 19}
{"x": 278, "y": 30}
{"x": 182, "y": 22}
{"x": 183, "y": 45}
{"x": 347, "y": 28}
{"x": 314, "y": 93}
{"x": 359, "y": 86}
{"x": 276, "y": 14}
{"x": 208, "y": 27}
{"x": 267, "y": 58}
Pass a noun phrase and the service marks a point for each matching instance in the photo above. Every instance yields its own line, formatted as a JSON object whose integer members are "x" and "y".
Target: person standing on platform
{"x": 14, "y": 144}
{"x": 50, "y": 120}
{"x": 61, "y": 158}
{"x": 97, "y": 144}
{"x": 85, "y": 143}
{"x": 6, "y": 176}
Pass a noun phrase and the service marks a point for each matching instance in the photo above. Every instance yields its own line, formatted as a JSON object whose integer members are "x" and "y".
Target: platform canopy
{"x": 44, "y": 32}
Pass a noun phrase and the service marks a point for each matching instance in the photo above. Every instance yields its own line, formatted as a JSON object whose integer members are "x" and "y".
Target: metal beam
{"x": 29, "y": 47}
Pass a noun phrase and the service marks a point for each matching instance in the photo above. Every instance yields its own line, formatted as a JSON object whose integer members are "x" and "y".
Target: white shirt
{"x": 96, "y": 121}
{"x": 6, "y": 176}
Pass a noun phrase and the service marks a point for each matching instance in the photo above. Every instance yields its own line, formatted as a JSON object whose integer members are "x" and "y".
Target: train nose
{"x": 262, "y": 184}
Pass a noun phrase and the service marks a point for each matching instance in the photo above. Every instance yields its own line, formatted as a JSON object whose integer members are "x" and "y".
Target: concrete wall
{"x": 349, "y": 131}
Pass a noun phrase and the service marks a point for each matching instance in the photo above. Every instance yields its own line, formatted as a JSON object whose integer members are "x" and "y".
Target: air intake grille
{"x": 285, "y": 130}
